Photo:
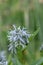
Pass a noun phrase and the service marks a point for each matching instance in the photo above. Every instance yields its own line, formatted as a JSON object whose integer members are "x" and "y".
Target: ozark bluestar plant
{"x": 18, "y": 37}
{"x": 3, "y": 60}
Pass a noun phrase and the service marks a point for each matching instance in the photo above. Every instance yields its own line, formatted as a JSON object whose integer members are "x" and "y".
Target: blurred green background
{"x": 27, "y": 13}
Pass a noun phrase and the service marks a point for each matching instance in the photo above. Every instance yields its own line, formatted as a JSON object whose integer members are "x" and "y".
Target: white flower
{"x": 18, "y": 36}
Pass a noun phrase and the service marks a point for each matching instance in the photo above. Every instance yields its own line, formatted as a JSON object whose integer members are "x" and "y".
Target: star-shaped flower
{"x": 18, "y": 37}
{"x": 3, "y": 58}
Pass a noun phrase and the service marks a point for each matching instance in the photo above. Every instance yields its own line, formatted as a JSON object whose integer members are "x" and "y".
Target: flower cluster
{"x": 18, "y": 37}
{"x": 3, "y": 58}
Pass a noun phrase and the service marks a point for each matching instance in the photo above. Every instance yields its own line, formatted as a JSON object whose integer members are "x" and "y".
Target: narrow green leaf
{"x": 34, "y": 34}
{"x": 38, "y": 62}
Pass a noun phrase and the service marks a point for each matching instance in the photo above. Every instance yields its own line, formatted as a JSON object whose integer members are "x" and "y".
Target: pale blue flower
{"x": 41, "y": 48}
{"x": 18, "y": 36}
{"x": 3, "y": 58}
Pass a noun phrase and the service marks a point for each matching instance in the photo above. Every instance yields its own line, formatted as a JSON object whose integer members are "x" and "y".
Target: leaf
{"x": 38, "y": 62}
{"x": 34, "y": 34}
{"x": 16, "y": 61}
